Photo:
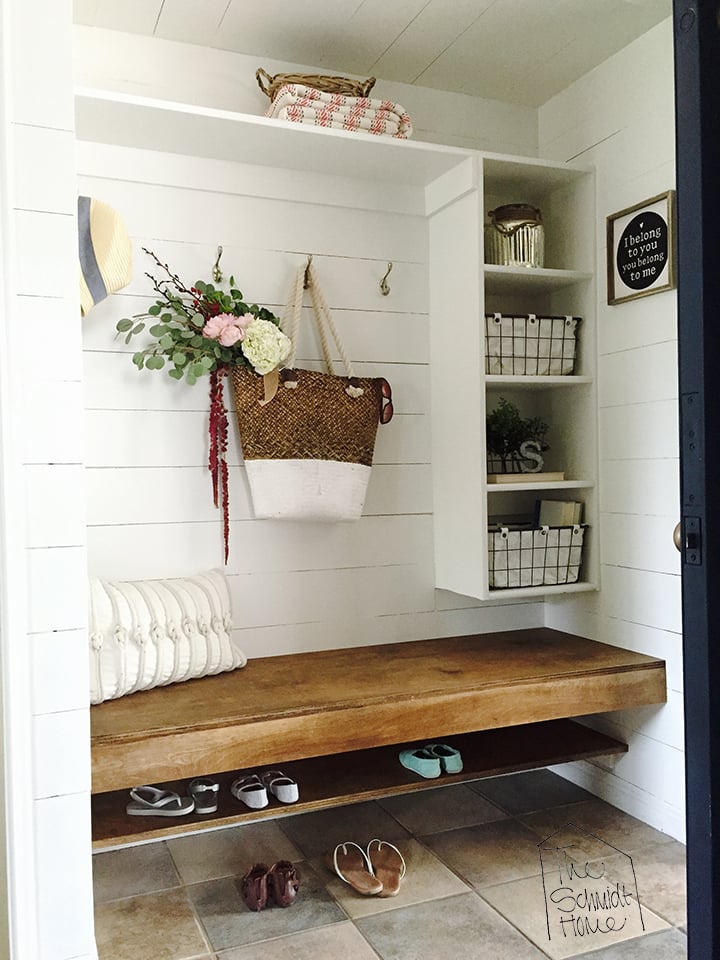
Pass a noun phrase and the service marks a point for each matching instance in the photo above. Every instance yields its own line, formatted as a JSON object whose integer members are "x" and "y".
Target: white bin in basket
{"x": 534, "y": 558}
{"x": 530, "y": 345}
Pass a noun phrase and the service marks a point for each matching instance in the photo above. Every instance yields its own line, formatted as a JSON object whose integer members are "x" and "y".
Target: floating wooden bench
{"x": 334, "y": 719}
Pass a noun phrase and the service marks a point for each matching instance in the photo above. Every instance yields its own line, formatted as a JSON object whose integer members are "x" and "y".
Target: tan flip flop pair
{"x": 375, "y": 871}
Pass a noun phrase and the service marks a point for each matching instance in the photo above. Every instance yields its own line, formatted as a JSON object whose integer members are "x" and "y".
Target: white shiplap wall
{"x": 294, "y": 586}
{"x": 620, "y": 118}
{"x": 44, "y": 656}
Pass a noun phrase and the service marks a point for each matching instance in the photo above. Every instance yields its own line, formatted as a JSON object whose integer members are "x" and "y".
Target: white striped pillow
{"x": 147, "y": 633}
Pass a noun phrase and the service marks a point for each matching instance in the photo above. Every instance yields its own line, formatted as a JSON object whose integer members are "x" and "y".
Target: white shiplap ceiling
{"x": 518, "y": 51}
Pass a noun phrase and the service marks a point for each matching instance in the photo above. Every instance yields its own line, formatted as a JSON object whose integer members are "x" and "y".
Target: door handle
{"x": 677, "y": 536}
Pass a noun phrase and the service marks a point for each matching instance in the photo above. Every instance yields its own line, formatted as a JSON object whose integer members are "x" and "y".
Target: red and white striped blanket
{"x": 302, "y": 104}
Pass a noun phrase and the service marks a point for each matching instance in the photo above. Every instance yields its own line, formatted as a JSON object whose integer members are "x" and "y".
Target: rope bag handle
{"x": 324, "y": 324}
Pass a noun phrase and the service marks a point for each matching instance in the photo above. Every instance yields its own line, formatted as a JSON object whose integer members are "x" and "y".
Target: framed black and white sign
{"x": 641, "y": 249}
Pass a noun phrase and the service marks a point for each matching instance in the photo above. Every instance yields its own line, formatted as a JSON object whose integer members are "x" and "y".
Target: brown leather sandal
{"x": 388, "y": 866}
{"x": 283, "y": 883}
{"x": 350, "y": 862}
{"x": 254, "y": 886}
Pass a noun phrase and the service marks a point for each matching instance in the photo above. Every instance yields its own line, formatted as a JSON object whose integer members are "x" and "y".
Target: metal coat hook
{"x": 384, "y": 288}
{"x": 306, "y": 281}
{"x": 217, "y": 274}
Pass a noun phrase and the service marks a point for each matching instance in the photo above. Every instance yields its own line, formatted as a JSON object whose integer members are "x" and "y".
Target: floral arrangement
{"x": 202, "y": 330}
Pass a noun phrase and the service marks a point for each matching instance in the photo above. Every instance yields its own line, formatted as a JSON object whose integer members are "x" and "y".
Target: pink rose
{"x": 214, "y": 326}
{"x": 230, "y": 335}
{"x": 226, "y": 328}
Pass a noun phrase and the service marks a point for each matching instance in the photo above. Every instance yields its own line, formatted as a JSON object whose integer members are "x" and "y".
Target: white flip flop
{"x": 151, "y": 801}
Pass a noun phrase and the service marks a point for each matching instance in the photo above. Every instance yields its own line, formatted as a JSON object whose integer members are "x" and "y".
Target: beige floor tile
{"x": 665, "y": 945}
{"x": 445, "y": 808}
{"x": 604, "y": 824}
{"x": 656, "y": 871}
{"x": 456, "y": 928}
{"x": 566, "y": 929}
{"x": 230, "y": 852}
{"x": 341, "y": 940}
{"x": 229, "y": 923}
{"x": 572, "y": 844}
{"x": 318, "y": 833}
{"x": 426, "y": 879}
{"x": 660, "y": 872}
{"x": 158, "y": 926}
{"x": 531, "y": 791}
{"x": 489, "y": 853}
{"x": 135, "y": 870}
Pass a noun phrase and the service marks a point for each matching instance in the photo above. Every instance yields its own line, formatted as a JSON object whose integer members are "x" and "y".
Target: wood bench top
{"x": 312, "y": 704}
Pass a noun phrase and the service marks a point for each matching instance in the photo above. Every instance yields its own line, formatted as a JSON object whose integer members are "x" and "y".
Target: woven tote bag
{"x": 307, "y": 436}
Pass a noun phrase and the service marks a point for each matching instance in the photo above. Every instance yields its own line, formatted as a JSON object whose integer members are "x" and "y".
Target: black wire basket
{"x": 530, "y": 345}
{"x": 523, "y": 556}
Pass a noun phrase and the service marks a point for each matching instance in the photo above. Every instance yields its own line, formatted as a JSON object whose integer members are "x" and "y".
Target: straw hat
{"x": 105, "y": 252}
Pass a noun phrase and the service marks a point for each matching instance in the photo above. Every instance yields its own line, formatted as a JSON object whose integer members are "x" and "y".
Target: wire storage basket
{"x": 530, "y": 345}
{"x": 541, "y": 557}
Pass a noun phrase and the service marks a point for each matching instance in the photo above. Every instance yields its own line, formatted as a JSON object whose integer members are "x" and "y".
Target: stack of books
{"x": 557, "y": 513}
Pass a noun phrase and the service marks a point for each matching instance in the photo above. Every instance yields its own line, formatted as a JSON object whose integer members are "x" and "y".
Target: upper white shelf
{"x": 103, "y": 116}
{"x": 500, "y": 278}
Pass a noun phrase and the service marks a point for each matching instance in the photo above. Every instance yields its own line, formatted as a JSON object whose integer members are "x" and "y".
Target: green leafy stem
{"x": 180, "y": 314}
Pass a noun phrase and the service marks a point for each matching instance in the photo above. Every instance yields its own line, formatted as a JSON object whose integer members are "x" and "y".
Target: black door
{"x": 697, "y": 103}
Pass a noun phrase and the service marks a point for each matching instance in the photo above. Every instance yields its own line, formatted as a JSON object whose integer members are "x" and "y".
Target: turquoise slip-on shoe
{"x": 421, "y": 761}
{"x": 449, "y": 757}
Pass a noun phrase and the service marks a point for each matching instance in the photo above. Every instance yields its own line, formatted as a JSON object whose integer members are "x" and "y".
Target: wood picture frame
{"x": 641, "y": 249}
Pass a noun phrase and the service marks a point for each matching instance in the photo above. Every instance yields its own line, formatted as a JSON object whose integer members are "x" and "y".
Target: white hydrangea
{"x": 265, "y": 346}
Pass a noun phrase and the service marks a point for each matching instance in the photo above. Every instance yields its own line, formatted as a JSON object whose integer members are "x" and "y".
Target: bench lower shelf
{"x": 344, "y": 778}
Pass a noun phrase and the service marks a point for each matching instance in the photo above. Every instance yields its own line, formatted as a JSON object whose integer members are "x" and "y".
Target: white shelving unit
{"x": 463, "y": 290}
{"x": 452, "y": 188}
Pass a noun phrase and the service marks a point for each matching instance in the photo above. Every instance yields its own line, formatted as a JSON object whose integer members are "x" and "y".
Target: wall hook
{"x": 384, "y": 288}
{"x": 306, "y": 281}
{"x": 217, "y": 274}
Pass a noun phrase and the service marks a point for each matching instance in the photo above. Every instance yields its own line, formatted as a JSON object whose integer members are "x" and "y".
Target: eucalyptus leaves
{"x": 201, "y": 328}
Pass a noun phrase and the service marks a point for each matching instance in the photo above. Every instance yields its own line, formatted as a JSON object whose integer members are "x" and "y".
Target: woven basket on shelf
{"x": 350, "y": 88}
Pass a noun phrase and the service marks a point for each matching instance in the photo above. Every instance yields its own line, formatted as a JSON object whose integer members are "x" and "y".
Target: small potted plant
{"x": 514, "y": 443}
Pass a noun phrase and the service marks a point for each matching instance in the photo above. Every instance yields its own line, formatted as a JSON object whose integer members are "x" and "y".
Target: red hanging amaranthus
{"x": 217, "y": 463}
{"x": 204, "y": 329}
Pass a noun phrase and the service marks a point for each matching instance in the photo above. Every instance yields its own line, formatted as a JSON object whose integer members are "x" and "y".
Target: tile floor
{"x": 476, "y": 886}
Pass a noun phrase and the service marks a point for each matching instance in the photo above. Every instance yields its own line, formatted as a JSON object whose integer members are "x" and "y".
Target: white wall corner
{"x": 631, "y": 143}
{"x": 625, "y": 796}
